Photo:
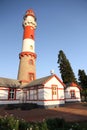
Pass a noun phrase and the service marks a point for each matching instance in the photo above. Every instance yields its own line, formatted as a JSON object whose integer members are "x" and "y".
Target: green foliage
{"x": 11, "y": 123}
{"x": 82, "y": 77}
{"x": 84, "y": 94}
{"x": 55, "y": 124}
{"x": 78, "y": 126}
{"x": 42, "y": 125}
{"x": 66, "y": 71}
{"x": 23, "y": 125}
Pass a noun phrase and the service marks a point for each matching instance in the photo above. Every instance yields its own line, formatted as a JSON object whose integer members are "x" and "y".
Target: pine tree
{"x": 83, "y": 82}
{"x": 66, "y": 71}
{"x": 82, "y": 77}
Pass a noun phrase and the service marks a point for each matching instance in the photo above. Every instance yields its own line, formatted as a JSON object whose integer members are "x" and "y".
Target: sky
{"x": 61, "y": 25}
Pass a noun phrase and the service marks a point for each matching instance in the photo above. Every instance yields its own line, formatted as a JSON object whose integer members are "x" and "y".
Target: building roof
{"x": 72, "y": 84}
{"x": 5, "y": 82}
{"x": 41, "y": 81}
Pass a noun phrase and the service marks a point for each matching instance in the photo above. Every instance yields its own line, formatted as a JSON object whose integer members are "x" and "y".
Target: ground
{"x": 70, "y": 112}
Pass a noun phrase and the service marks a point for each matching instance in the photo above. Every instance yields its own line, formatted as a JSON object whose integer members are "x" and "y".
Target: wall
{"x": 50, "y": 99}
{"x": 4, "y": 91}
{"x": 68, "y": 97}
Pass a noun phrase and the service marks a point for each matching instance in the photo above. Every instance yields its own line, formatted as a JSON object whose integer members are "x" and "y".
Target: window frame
{"x": 31, "y": 62}
{"x": 54, "y": 90}
{"x": 72, "y": 93}
{"x": 11, "y": 94}
{"x": 31, "y": 76}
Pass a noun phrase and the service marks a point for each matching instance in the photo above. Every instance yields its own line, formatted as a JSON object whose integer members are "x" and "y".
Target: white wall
{"x": 68, "y": 95}
{"x": 44, "y": 94}
{"x": 4, "y": 96}
{"x": 3, "y": 93}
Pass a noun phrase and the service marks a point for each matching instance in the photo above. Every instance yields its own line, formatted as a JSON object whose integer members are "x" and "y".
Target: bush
{"x": 55, "y": 124}
{"x": 11, "y": 123}
{"x": 42, "y": 125}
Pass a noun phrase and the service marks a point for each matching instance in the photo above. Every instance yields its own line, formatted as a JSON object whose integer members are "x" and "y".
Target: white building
{"x": 47, "y": 91}
{"x": 72, "y": 93}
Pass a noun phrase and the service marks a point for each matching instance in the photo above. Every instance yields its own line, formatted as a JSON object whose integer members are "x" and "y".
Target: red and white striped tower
{"x": 27, "y": 66}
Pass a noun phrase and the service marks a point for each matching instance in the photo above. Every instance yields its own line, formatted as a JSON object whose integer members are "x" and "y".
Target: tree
{"x": 66, "y": 71}
{"x": 82, "y": 77}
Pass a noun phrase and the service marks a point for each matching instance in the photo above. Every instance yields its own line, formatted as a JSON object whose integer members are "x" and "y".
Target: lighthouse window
{"x": 32, "y": 37}
{"x": 31, "y": 47}
{"x": 31, "y": 76}
{"x": 35, "y": 19}
{"x": 25, "y": 23}
{"x": 30, "y": 62}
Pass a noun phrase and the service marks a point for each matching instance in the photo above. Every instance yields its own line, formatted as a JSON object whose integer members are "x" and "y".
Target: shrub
{"x": 42, "y": 125}
{"x": 55, "y": 124}
{"x": 11, "y": 123}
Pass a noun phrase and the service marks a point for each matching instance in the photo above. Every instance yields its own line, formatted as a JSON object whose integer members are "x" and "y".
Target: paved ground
{"x": 70, "y": 112}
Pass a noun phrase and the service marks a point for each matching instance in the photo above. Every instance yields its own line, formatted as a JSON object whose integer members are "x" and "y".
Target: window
{"x": 32, "y": 37}
{"x": 31, "y": 47}
{"x": 31, "y": 76}
{"x": 54, "y": 90}
{"x": 30, "y": 62}
{"x": 35, "y": 92}
{"x": 72, "y": 92}
{"x": 11, "y": 93}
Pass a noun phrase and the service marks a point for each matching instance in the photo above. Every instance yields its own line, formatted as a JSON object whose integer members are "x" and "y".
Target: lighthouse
{"x": 27, "y": 65}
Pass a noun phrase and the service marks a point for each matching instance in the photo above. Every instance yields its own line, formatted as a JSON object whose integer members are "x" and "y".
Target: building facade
{"x": 72, "y": 92}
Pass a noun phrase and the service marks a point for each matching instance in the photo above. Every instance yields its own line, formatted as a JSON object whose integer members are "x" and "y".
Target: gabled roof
{"x": 72, "y": 84}
{"x": 42, "y": 81}
{"x": 5, "y": 82}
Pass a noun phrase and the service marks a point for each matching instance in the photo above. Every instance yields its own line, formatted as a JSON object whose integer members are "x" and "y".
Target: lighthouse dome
{"x": 30, "y": 12}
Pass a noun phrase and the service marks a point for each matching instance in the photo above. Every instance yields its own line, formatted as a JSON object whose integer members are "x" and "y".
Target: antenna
{"x": 52, "y": 72}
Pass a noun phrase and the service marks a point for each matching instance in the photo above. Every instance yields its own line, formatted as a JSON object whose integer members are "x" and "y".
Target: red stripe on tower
{"x": 28, "y": 32}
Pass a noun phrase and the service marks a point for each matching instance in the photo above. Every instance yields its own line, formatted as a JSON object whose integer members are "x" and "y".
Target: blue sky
{"x": 61, "y": 25}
